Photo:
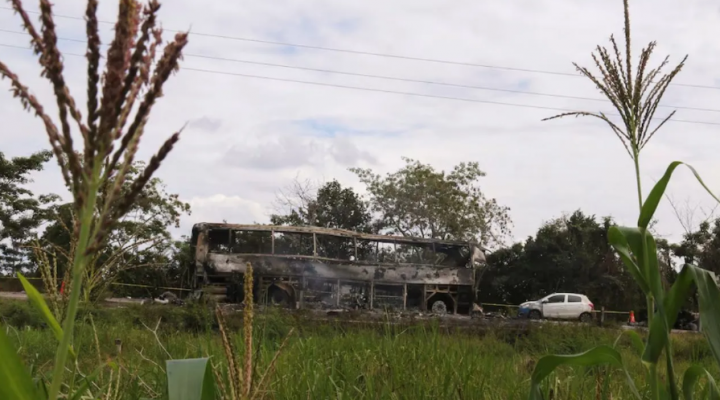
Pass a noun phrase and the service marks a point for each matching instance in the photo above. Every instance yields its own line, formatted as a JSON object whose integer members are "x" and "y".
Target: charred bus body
{"x": 305, "y": 267}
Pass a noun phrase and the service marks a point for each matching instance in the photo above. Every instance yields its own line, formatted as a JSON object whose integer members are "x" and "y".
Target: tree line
{"x": 569, "y": 253}
{"x": 36, "y": 235}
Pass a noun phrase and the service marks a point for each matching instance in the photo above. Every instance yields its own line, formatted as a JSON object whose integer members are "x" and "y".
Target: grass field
{"x": 335, "y": 361}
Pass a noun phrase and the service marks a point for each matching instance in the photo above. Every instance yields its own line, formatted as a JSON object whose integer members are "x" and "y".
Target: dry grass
{"x": 337, "y": 360}
{"x": 240, "y": 384}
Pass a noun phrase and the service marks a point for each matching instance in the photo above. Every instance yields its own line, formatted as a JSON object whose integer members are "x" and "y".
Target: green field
{"x": 336, "y": 360}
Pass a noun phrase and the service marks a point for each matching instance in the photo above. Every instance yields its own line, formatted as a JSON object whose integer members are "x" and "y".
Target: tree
{"x": 139, "y": 241}
{"x": 332, "y": 206}
{"x": 174, "y": 269}
{"x": 505, "y": 275}
{"x": 702, "y": 246}
{"x": 419, "y": 201}
{"x": 567, "y": 254}
{"x": 21, "y": 212}
{"x": 709, "y": 257}
{"x": 693, "y": 244}
{"x": 695, "y": 222}
{"x": 697, "y": 234}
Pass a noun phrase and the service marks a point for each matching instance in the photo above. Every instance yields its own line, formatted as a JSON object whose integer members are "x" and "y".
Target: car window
{"x": 574, "y": 299}
{"x": 558, "y": 298}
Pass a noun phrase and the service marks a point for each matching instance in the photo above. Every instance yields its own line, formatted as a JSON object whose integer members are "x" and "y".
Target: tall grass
{"x": 332, "y": 361}
{"x": 239, "y": 378}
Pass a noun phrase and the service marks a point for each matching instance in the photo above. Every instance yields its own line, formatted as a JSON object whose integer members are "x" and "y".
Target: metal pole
{"x": 423, "y": 306}
{"x": 404, "y": 296}
{"x": 337, "y": 294}
{"x": 314, "y": 245}
{"x": 372, "y": 293}
{"x": 302, "y": 291}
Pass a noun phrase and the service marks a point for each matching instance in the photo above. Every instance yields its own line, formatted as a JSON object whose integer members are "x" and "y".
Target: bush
{"x": 20, "y": 314}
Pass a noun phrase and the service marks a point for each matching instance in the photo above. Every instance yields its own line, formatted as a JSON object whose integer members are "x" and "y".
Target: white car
{"x": 559, "y": 306}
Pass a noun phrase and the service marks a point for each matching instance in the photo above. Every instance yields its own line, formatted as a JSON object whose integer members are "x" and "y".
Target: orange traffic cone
{"x": 632, "y": 317}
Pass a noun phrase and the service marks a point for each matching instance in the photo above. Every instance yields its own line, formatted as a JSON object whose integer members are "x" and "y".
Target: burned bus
{"x": 312, "y": 267}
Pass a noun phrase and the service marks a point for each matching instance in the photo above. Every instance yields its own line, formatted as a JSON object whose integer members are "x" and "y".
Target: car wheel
{"x": 534, "y": 314}
{"x": 585, "y": 317}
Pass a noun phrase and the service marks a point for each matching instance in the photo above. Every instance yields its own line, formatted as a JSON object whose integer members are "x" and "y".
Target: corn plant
{"x": 636, "y": 98}
{"x": 199, "y": 379}
{"x": 95, "y": 174}
{"x": 47, "y": 262}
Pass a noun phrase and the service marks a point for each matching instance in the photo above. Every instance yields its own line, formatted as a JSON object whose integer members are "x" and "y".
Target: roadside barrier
{"x": 602, "y": 311}
{"x": 62, "y": 288}
{"x": 150, "y": 286}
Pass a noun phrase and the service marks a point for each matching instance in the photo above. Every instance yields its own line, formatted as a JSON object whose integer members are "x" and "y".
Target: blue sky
{"x": 247, "y": 138}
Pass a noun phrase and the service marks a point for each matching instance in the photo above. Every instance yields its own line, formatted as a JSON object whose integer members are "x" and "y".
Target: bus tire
{"x": 280, "y": 295}
{"x": 440, "y": 304}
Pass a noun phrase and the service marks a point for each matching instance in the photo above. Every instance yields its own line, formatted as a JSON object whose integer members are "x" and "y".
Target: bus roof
{"x": 333, "y": 232}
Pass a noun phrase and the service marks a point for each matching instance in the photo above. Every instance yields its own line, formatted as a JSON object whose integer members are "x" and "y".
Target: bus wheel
{"x": 279, "y": 297}
{"x": 439, "y": 307}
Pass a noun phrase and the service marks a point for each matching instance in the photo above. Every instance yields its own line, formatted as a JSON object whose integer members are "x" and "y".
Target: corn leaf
{"x": 84, "y": 388}
{"x": 690, "y": 379}
{"x": 635, "y": 340}
{"x": 39, "y": 383}
{"x": 190, "y": 379}
{"x": 38, "y": 302}
{"x": 618, "y": 241}
{"x": 651, "y": 202}
{"x": 660, "y": 328}
{"x": 15, "y": 381}
{"x": 600, "y": 355}
{"x": 641, "y": 245}
{"x": 678, "y": 295}
{"x": 650, "y": 257}
{"x": 709, "y": 296}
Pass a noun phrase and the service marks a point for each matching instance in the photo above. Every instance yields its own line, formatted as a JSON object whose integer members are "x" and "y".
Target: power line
{"x": 386, "y": 91}
{"x": 392, "y": 78}
{"x": 368, "y": 53}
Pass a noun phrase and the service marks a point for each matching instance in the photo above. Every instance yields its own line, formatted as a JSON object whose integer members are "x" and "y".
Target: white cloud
{"x": 248, "y": 137}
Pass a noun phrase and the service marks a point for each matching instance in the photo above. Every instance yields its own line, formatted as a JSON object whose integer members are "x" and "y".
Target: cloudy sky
{"x": 248, "y": 137}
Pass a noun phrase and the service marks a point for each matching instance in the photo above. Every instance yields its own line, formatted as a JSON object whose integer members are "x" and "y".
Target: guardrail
{"x": 601, "y": 311}
{"x": 12, "y": 279}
